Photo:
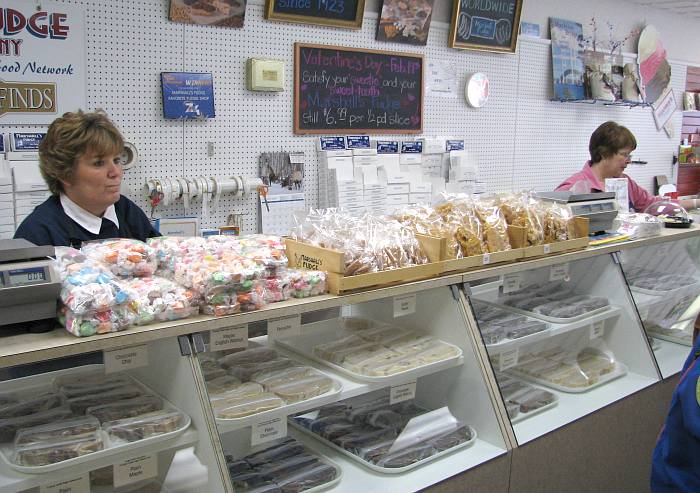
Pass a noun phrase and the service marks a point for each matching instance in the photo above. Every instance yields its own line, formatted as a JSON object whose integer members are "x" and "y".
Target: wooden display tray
{"x": 303, "y": 255}
{"x": 519, "y": 238}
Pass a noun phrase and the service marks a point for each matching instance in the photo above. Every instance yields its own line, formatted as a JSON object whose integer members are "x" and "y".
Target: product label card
{"x": 268, "y": 430}
{"x": 404, "y": 392}
{"x": 454, "y": 145}
{"x": 486, "y": 259}
{"x": 126, "y": 358}
{"x": 76, "y": 485}
{"x": 414, "y": 147}
{"x": 228, "y": 338}
{"x": 512, "y": 282}
{"x": 22, "y": 141}
{"x": 187, "y": 95}
{"x": 404, "y": 305}
{"x": 387, "y": 147}
{"x": 358, "y": 141}
{"x": 332, "y": 143}
{"x": 508, "y": 359}
{"x": 135, "y": 470}
{"x": 559, "y": 272}
{"x": 598, "y": 329}
{"x": 279, "y": 328}
{"x": 547, "y": 248}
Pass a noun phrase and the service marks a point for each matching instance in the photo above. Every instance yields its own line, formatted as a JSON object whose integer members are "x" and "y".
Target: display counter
{"x": 452, "y": 381}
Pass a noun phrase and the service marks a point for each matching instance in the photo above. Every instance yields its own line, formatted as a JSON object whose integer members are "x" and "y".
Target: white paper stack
{"x": 28, "y": 185}
{"x": 7, "y": 206}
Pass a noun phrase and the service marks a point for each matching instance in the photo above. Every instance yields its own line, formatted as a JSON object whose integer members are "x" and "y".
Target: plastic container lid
{"x": 669, "y": 211}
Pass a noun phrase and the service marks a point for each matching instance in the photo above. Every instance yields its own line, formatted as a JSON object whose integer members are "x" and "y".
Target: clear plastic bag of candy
{"x": 124, "y": 257}
{"x": 159, "y": 299}
{"x": 113, "y": 319}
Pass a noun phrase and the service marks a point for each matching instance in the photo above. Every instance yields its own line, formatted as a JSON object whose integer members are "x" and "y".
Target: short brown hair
{"x": 608, "y": 139}
{"x": 68, "y": 138}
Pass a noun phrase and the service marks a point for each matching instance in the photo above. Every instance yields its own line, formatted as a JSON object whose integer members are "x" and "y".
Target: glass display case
{"x": 564, "y": 341}
{"x": 383, "y": 395}
{"x": 664, "y": 280}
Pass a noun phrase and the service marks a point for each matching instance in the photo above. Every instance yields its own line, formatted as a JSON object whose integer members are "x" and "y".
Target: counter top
{"x": 23, "y": 348}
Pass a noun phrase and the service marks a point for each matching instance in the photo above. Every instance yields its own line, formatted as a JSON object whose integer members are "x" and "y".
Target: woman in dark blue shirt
{"x": 80, "y": 161}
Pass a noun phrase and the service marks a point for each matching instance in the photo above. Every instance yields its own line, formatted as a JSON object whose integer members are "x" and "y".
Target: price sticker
{"x": 76, "y": 485}
{"x": 508, "y": 359}
{"x": 597, "y": 330}
{"x": 126, "y": 358}
{"x": 404, "y": 305}
{"x": 559, "y": 272}
{"x": 400, "y": 393}
{"x": 135, "y": 470}
{"x": 280, "y": 328}
{"x": 486, "y": 259}
{"x": 512, "y": 282}
{"x": 268, "y": 430}
{"x": 228, "y": 338}
{"x": 547, "y": 248}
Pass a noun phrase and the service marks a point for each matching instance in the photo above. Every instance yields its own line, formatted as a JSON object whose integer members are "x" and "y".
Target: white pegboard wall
{"x": 520, "y": 138}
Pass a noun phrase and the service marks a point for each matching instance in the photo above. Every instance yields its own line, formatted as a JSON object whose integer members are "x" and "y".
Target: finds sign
{"x": 42, "y": 61}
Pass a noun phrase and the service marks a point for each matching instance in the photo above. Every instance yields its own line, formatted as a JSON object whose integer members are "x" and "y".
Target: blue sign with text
{"x": 187, "y": 95}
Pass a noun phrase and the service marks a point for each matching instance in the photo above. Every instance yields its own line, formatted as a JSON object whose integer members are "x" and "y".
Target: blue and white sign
{"x": 187, "y": 95}
{"x": 22, "y": 141}
{"x": 411, "y": 147}
{"x": 358, "y": 142}
{"x": 387, "y": 147}
{"x": 332, "y": 143}
{"x": 454, "y": 145}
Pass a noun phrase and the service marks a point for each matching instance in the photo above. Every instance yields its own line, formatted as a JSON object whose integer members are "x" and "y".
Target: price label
{"x": 77, "y": 485}
{"x": 512, "y": 282}
{"x": 547, "y": 248}
{"x": 279, "y": 328}
{"x": 126, "y": 359}
{"x": 486, "y": 259}
{"x": 597, "y": 330}
{"x": 268, "y": 430}
{"x": 404, "y": 305}
{"x": 228, "y": 338}
{"x": 135, "y": 470}
{"x": 400, "y": 393}
{"x": 508, "y": 359}
{"x": 559, "y": 272}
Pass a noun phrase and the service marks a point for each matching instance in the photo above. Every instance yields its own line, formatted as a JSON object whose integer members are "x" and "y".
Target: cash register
{"x": 29, "y": 286}
{"x": 599, "y": 207}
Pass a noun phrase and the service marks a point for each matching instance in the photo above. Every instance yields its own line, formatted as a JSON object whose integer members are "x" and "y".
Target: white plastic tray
{"x": 619, "y": 371}
{"x": 314, "y": 402}
{"x": 506, "y": 342}
{"x": 656, "y": 292}
{"x": 304, "y": 345}
{"x": 523, "y": 416}
{"x": 43, "y": 381}
{"x": 665, "y": 337}
{"x": 557, "y": 320}
{"x": 384, "y": 470}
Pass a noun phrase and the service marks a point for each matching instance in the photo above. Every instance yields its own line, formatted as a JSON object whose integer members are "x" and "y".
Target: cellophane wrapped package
{"x": 124, "y": 257}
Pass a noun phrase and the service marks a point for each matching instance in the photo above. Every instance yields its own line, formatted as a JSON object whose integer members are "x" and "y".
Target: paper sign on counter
{"x": 126, "y": 358}
{"x": 487, "y": 258}
{"x": 228, "y": 338}
{"x": 547, "y": 248}
{"x": 268, "y": 430}
{"x": 508, "y": 359}
{"x": 278, "y": 328}
{"x": 404, "y": 392}
{"x": 598, "y": 329}
{"x": 512, "y": 282}
{"x": 76, "y": 485}
{"x": 559, "y": 272}
{"x": 135, "y": 470}
{"x": 404, "y": 305}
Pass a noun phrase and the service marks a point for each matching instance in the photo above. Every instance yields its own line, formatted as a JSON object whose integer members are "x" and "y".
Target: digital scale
{"x": 600, "y": 208}
{"x": 29, "y": 286}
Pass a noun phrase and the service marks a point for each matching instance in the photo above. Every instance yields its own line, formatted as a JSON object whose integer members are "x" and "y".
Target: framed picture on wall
{"x": 405, "y": 22}
{"x": 336, "y": 13}
{"x": 223, "y": 13}
{"x": 488, "y": 26}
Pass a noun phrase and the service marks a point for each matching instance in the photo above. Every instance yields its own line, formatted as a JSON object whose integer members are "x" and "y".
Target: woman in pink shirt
{"x": 610, "y": 148}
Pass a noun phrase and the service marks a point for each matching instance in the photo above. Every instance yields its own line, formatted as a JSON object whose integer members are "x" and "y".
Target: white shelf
{"x": 358, "y": 478}
{"x": 670, "y": 357}
{"x": 13, "y": 481}
{"x": 574, "y": 406}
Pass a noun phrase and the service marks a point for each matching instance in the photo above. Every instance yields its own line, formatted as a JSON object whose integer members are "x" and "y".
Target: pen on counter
{"x": 638, "y": 161}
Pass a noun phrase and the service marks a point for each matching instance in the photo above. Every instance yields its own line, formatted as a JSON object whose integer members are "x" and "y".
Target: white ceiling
{"x": 686, "y": 8}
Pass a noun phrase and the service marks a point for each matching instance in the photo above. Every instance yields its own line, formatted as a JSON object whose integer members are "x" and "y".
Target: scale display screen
{"x": 23, "y": 277}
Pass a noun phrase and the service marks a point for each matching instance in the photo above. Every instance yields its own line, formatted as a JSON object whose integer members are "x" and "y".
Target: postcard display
{"x": 394, "y": 389}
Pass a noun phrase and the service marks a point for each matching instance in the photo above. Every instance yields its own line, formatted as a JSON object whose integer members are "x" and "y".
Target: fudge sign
{"x": 490, "y": 25}
{"x": 347, "y": 90}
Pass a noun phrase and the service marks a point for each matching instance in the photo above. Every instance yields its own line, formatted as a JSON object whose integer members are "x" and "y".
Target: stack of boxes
{"x": 7, "y": 206}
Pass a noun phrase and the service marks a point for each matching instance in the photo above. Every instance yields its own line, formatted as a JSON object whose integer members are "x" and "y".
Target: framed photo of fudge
{"x": 223, "y": 13}
{"x": 403, "y": 21}
{"x": 347, "y": 14}
{"x": 484, "y": 25}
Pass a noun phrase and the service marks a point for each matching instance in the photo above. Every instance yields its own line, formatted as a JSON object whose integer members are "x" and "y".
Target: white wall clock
{"x": 476, "y": 90}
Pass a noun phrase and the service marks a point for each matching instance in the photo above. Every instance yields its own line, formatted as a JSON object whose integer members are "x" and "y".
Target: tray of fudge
{"x": 249, "y": 384}
{"x": 661, "y": 284}
{"x": 283, "y": 466}
{"x": 499, "y": 326}
{"x": 554, "y": 303}
{"x": 385, "y": 438}
{"x": 523, "y": 400}
{"x": 678, "y": 336}
{"x": 569, "y": 371}
{"x": 372, "y": 351}
{"x": 60, "y": 419}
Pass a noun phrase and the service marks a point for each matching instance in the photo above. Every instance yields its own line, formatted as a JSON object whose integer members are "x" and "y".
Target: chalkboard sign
{"x": 490, "y": 25}
{"x": 351, "y": 91}
{"x": 338, "y": 13}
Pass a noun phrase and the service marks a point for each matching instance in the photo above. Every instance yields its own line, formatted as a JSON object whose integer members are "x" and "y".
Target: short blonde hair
{"x": 68, "y": 138}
